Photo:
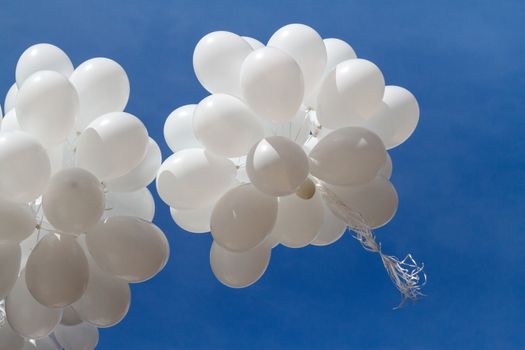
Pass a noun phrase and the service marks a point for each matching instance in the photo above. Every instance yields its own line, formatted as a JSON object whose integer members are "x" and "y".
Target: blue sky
{"x": 460, "y": 177}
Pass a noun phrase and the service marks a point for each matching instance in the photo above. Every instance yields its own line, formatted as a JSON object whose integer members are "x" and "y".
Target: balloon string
{"x": 408, "y": 277}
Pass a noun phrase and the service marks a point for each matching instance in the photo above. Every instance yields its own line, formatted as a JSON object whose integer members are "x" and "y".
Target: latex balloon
{"x": 350, "y": 93}
{"x": 140, "y": 176}
{"x": 10, "y": 255}
{"x": 242, "y": 218}
{"x": 138, "y": 203}
{"x": 239, "y": 269}
{"x": 348, "y": 156}
{"x": 396, "y": 118}
{"x": 10, "y": 98}
{"x": 70, "y": 316}
{"x": 376, "y": 201}
{"x": 28, "y": 317}
{"x": 41, "y": 57}
{"x": 297, "y": 129}
{"x": 267, "y": 75}
{"x": 178, "y": 129}
{"x": 17, "y": 221}
{"x": 9, "y": 340}
{"x": 45, "y": 344}
{"x": 81, "y": 337}
{"x": 57, "y": 271}
{"x": 112, "y": 145}
{"x": 129, "y": 248}
{"x": 331, "y": 230}
{"x": 254, "y": 43}
{"x": 298, "y": 220}
{"x": 277, "y": 166}
{"x": 306, "y": 46}
{"x": 193, "y": 220}
{"x": 46, "y": 106}
{"x": 217, "y": 61}
{"x": 10, "y": 122}
{"x": 194, "y": 178}
{"x": 24, "y": 167}
{"x": 74, "y": 200}
{"x": 386, "y": 170}
{"x": 106, "y": 299}
{"x": 225, "y": 126}
{"x": 102, "y": 86}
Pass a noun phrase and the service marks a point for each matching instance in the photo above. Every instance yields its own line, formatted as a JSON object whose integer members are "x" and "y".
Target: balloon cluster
{"x": 292, "y": 138}
{"x": 75, "y": 213}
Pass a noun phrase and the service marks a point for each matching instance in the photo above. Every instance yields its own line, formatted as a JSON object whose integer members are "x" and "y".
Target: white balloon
{"x": 18, "y": 221}
{"x": 396, "y": 118}
{"x": 350, "y": 93}
{"x": 217, "y": 61}
{"x": 9, "y": 340}
{"x": 10, "y": 255}
{"x": 194, "y": 178}
{"x": 46, "y": 106}
{"x": 254, "y": 43}
{"x": 193, "y": 220}
{"x": 306, "y": 46}
{"x": 10, "y": 98}
{"x": 140, "y": 176}
{"x": 57, "y": 271}
{"x": 272, "y": 84}
{"x": 298, "y": 220}
{"x": 129, "y": 248}
{"x": 376, "y": 201}
{"x": 41, "y": 57}
{"x": 106, "y": 299}
{"x": 138, "y": 204}
{"x": 386, "y": 170}
{"x": 331, "y": 230}
{"x": 178, "y": 129}
{"x": 239, "y": 269}
{"x": 70, "y": 316}
{"x": 277, "y": 166}
{"x": 74, "y": 200}
{"x": 297, "y": 129}
{"x": 112, "y": 145}
{"x": 10, "y": 122}
{"x": 225, "y": 126}
{"x": 81, "y": 337}
{"x": 45, "y": 344}
{"x": 242, "y": 218}
{"x": 24, "y": 167}
{"x": 348, "y": 156}
{"x": 102, "y": 86}
{"x": 28, "y": 317}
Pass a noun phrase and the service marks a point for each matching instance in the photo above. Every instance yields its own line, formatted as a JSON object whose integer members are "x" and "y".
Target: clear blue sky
{"x": 460, "y": 178}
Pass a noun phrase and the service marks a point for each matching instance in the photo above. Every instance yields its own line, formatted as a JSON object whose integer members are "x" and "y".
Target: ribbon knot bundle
{"x": 75, "y": 213}
{"x": 289, "y": 148}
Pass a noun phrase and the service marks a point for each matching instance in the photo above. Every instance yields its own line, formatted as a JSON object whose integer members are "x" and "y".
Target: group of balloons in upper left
{"x": 75, "y": 213}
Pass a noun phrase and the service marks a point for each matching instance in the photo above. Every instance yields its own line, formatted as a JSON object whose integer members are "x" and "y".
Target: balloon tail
{"x": 406, "y": 274}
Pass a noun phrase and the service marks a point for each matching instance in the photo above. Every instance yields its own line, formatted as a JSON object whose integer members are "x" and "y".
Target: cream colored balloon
{"x": 28, "y": 317}
{"x": 10, "y": 98}
{"x": 376, "y": 201}
{"x": 80, "y": 337}
{"x": 193, "y": 220}
{"x": 10, "y": 122}
{"x": 194, "y": 178}
{"x": 239, "y": 269}
{"x": 10, "y": 257}
{"x": 254, "y": 43}
{"x": 74, "y": 200}
{"x": 298, "y": 220}
{"x": 9, "y": 340}
{"x": 112, "y": 145}
{"x": 348, "y": 156}
{"x": 138, "y": 204}
{"x": 106, "y": 299}
{"x": 24, "y": 167}
{"x": 18, "y": 221}
{"x": 70, "y": 316}
{"x": 386, "y": 170}
{"x": 397, "y": 117}
{"x": 331, "y": 230}
{"x": 129, "y": 248}
{"x": 178, "y": 129}
{"x": 57, "y": 271}
{"x": 242, "y": 218}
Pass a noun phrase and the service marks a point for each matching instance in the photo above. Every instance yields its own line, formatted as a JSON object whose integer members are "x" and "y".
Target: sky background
{"x": 460, "y": 177}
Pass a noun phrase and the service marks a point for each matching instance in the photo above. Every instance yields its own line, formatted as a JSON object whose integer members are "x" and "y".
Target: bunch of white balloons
{"x": 75, "y": 213}
{"x": 282, "y": 122}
